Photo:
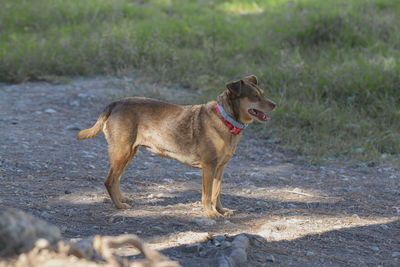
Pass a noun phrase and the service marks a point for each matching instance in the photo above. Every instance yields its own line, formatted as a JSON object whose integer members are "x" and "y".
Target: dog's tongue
{"x": 263, "y": 116}
{"x": 260, "y": 115}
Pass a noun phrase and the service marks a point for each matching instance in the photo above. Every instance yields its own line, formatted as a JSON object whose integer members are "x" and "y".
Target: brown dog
{"x": 202, "y": 136}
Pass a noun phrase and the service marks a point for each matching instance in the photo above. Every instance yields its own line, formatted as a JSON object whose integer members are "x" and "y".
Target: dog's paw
{"x": 213, "y": 214}
{"x": 226, "y": 212}
{"x": 125, "y": 199}
{"x": 123, "y": 206}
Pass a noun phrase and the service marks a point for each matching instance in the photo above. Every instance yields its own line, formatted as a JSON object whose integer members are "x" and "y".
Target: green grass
{"x": 332, "y": 66}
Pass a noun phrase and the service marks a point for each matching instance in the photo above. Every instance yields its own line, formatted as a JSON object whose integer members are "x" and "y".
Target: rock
{"x": 158, "y": 228}
{"x": 310, "y": 253}
{"x": 204, "y": 221}
{"x": 395, "y": 254}
{"x": 192, "y": 248}
{"x": 74, "y": 103}
{"x": 374, "y": 248}
{"x": 372, "y": 164}
{"x": 270, "y": 258}
{"x": 168, "y": 180}
{"x": 45, "y": 214}
{"x": 219, "y": 238}
{"x": 193, "y": 175}
{"x": 384, "y": 226}
{"x": 50, "y": 110}
{"x": 73, "y": 127}
{"x": 226, "y": 244}
{"x": 22, "y": 230}
{"x": 85, "y": 96}
{"x": 202, "y": 253}
{"x": 239, "y": 246}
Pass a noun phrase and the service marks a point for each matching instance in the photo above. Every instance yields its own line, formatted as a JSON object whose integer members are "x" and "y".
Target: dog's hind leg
{"x": 120, "y": 157}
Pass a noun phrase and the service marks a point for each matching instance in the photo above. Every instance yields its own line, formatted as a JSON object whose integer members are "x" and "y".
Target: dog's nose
{"x": 272, "y": 105}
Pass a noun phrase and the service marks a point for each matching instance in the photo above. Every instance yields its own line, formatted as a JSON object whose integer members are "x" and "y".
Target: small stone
{"x": 168, "y": 180}
{"x": 193, "y": 175}
{"x": 395, "y": 254}
{"x": 219, "y": 238}
{"x": 45, "y": 214}
{"x": 72, "y": 127}
{"x": 270, "y": 258}
{"x": 374, "y": 248}
{"x": 84, "y": 96}
{"x": 204, "y": 221}
{"x": 384, "y": 226}
{"x": 310, "y": 253}
{"x": 42, "y": 243}
{"x": 192, "y": 248}
{"x": 158, "y": 228}
{"x": 150, "y": 196}
{"x": 67, "y": 192}
{"x": 50, "y": 110}
{"x": 372, "y": 164}
{"x": 74, "y": 103}
{"x": 202, "y": 253}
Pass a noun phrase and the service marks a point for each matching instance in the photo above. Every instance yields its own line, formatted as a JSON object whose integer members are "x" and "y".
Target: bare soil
{"x": 341, "y": 213}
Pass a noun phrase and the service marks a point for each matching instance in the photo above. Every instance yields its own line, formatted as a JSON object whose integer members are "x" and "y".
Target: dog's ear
{"x": 252, "y": 79}
{"x": 235, "y": 87}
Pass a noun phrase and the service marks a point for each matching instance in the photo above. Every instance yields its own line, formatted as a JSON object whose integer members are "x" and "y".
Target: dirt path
{"x": 333, "y": 215}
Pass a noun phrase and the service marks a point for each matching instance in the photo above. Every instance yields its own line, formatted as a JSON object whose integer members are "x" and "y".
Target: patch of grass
{"x": 332, "y": 66}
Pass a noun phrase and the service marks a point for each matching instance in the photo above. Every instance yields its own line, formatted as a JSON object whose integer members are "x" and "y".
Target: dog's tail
{"x": 98, "y": 126}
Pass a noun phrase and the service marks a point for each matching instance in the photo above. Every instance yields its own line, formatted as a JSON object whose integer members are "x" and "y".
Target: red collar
{"x": 234, "y": 130}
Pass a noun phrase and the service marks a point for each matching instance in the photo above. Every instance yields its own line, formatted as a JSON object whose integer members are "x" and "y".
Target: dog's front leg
{"x": 208, "y": 174}
{"x": 216, "y": 192}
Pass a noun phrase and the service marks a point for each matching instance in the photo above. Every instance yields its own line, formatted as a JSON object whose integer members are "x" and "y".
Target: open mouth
{"x": 259, "y": 114}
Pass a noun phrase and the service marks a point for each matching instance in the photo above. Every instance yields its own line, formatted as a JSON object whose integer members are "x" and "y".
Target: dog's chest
{"x": 172, "y": 152}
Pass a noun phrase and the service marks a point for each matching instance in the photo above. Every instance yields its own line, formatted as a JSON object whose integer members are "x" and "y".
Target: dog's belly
{"x": 185, "y": 158}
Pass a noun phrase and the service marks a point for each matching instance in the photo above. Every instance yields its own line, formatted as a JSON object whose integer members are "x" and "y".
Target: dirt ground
{"x": 337, "y": 214}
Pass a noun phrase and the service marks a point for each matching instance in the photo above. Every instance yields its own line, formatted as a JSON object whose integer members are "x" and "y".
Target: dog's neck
{"x": 229, "y": 104}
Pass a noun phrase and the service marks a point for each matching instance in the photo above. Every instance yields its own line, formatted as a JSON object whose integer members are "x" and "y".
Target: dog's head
{"x": 249, "y": 99}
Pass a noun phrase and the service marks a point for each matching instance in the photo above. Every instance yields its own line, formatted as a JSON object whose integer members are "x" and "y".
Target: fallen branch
{"x": 104, "y": 244}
